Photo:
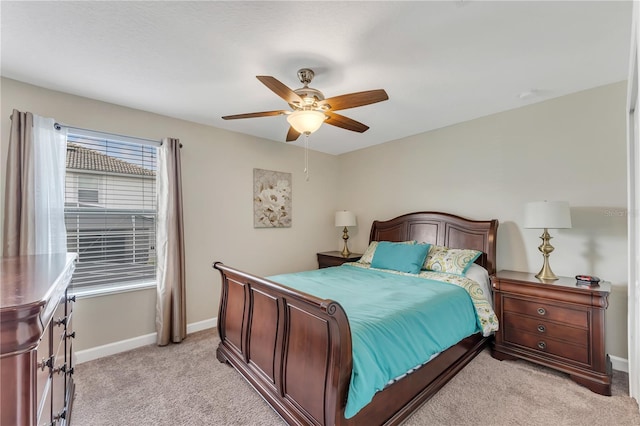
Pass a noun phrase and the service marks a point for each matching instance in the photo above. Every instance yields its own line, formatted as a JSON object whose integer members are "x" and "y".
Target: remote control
{"x": 588, "y": 278}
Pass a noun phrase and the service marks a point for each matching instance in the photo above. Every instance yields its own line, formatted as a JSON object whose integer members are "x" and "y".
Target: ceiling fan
{"x": 309, "y": 108}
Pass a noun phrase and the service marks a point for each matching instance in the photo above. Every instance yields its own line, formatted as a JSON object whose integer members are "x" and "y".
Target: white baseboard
{"x": 619, "y": 364}
{"x": 202, "y": 325}
{"x": 135, "y": 342}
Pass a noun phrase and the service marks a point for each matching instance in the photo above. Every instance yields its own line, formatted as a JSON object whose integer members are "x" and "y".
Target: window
{"x": 110, "y": 211}
{"x": 88, "y": 189}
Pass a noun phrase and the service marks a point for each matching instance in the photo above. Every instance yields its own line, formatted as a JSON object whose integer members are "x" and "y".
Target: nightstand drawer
{"x": 328, "y": 262}
{"x": 545, "y": 345}
{"x": 328, "y": 259}
{"x": 546, "y": 329}
{"x": 546, "y": 311}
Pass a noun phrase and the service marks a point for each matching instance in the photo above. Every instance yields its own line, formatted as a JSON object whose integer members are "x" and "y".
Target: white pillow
{"x": 481, "y": 276}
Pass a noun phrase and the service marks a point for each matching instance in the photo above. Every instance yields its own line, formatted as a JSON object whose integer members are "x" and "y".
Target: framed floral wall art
{"x": 271, "y": 199}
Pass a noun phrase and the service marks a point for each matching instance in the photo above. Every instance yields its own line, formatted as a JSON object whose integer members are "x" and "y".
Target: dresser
{"x": 557, "y": 324}
{"x": 36, "y": 346}
{"x": 334, "y": 258}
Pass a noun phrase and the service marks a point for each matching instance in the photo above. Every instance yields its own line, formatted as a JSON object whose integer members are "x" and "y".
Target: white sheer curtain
{"x": 34, "y": 190}
{"x": 50, "y": 152}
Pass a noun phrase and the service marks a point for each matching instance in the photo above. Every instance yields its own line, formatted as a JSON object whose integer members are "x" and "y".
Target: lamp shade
{"x": 547, "y": 214}
{"x": 306, "y": 121}
{"x": 345, "y": 218}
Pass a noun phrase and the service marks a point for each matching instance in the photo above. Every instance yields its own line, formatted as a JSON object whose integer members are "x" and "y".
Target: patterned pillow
{"x": 453, "y": 261}
{"x": 367, "y": 256}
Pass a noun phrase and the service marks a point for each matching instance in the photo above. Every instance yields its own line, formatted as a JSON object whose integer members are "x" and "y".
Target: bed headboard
{"x": 442, "y": 229}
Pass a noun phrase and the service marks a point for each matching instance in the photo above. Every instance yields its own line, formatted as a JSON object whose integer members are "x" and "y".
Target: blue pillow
{"x": 400, "y": 257}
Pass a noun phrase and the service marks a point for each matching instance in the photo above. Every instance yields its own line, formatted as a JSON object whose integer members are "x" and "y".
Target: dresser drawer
{"x": 59, "y": 323}
{"x": 44, "y": 404}
{"x": 578, "y": 336}
{"x": 43, "y": 371}
{"x": 58, "y": 379}
{"x": 546, "y": 345}
{"x": 564, "y": 315}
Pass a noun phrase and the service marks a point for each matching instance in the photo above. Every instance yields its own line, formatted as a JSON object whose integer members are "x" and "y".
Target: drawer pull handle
{"x": 542, "y": 328}
{"x": 61, "y": 415}
{"x": 542, "y": 311}
{"x": 542, "y": 345}
{"x": 46, "y": 362}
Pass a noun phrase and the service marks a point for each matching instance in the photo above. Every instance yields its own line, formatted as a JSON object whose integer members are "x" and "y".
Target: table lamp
{"x": 545, "y": 215}
{"x": 344, "y": 219}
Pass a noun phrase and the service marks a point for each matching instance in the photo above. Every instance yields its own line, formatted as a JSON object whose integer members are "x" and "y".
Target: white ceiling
{"x": 440, "y": 62}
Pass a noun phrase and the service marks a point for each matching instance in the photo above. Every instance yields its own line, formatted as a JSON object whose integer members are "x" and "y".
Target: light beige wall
{"x": 218, "y": 183}
{"x": 571, "y": 148}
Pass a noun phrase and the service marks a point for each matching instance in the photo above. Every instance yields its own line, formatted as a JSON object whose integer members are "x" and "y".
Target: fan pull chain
{"x": 306, "y": 157}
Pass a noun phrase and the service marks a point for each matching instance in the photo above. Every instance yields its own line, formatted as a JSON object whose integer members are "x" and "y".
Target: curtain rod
{"x": 59, "y": 126}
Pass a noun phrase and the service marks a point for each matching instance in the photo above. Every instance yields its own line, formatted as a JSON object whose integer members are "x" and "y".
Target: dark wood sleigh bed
{"x": 295, "y": 349}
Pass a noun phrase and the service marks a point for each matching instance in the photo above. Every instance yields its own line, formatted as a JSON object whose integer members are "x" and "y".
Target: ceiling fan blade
{"x": 345, "y": 122}
{"x": 353, "y": 100}
{"x": 254, "y": 115}
{"x": 280, "y": 89}
{"x": 292, "y": 134}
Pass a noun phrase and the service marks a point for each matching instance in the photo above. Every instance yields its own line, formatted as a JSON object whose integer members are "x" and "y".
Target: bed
{"x": 295, "y": 348}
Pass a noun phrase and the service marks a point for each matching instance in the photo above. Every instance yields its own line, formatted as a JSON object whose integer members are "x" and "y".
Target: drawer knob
{"x": 46, "y": 362}
{"x": 542, "y": 345}
{"x": 542, "y": 328}
{"x": 71, "y": 298}
{"x": 60, "y": 321}
{"x": 61, "y": 415}
{"x": 542, "y": 311}
{"x": 58, "y": 370}
{"x": 71, "y": 335}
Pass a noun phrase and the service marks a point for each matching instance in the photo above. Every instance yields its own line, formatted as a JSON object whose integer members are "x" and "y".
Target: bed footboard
{"x": 294, "y": 348}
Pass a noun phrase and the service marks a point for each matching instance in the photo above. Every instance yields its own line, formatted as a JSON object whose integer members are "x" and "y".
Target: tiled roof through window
{"x": 79, "y": 157}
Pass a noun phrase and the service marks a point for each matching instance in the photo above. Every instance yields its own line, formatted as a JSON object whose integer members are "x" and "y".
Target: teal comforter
{"x": 397, "y": 321}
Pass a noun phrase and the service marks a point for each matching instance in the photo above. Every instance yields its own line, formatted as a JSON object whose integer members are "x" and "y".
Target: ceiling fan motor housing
{"x": 309, "y": 95}
{"x": 305, "y": 75}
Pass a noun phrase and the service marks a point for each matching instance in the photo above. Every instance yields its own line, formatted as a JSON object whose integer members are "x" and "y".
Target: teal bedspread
{"x": 397, "y": 321}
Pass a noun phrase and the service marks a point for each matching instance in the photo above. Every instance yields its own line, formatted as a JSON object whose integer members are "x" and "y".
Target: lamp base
{"x": 345, "y": 237}
{"x": 546, "y": 248}
{"x": 546, "y": 273}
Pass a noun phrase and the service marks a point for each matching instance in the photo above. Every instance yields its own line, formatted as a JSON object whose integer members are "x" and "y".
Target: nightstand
{"x": 553, "y": 323}
{"x": 334, "y": 258}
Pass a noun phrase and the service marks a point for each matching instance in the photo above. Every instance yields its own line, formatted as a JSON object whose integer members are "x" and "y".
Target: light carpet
{"x": 184, "y": 384}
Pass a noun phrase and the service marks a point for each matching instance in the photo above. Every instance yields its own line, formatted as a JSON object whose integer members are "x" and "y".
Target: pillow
{"x": 400, "y": 257}
{"x": 367, "y": 256}
{"x": 481, "y": 276}
{"x": 453, "y": 261}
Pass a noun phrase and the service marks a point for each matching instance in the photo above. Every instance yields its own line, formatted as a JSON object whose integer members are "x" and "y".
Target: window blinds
{"x": 110, "y": 210}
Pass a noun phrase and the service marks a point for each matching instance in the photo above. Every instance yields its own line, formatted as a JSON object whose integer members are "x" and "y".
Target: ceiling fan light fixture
{"x": 306, "y": 121}
{"x": 309, "y": 108}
